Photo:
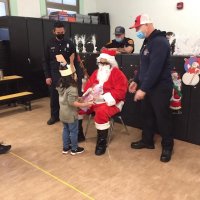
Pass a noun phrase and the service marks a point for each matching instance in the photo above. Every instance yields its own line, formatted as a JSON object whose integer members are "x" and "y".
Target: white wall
{"x": 88, "y": 6}
{"x": 122, "y": 12}
{"x": 28, "y": 8}
{"x": 163, "y": 13}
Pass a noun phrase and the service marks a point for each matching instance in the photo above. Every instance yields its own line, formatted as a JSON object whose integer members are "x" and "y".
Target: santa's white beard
{"x": 103, "y": 74}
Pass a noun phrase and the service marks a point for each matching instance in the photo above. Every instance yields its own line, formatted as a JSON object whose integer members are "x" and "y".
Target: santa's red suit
{"x": 114, "y": 88}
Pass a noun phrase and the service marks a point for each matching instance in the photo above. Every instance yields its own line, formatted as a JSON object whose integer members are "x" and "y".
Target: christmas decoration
{"x": 192, "y": 68}
{"x": 175, "y": 101}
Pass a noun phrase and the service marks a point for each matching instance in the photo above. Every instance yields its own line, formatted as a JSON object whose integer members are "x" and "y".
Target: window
{"x": 4, "y": 8}
{"x": 69, "y": 6}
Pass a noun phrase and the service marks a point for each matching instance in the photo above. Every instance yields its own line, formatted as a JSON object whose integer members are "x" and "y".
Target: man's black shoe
{"x": 4, "y": 148}
{"x": 140, "y": 145}
{"x": 52, "y": 121}
{"x": 166, "y": 155}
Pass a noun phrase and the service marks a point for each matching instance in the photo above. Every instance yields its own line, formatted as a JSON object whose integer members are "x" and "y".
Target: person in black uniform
{"x": 121, "y": 44}
{"x": 154, "y": 84}
{"x": 56, "y": 46}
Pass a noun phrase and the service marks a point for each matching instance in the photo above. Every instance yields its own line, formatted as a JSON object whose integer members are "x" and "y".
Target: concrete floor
{"x": 35, "y": 168}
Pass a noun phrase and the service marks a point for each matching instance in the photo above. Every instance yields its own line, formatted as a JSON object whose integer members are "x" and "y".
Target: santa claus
{"x": 175, "y": 101}
{"x": 107, "y": 87}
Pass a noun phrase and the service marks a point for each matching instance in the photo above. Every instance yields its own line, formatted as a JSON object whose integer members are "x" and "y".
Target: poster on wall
{"x": 192, "y": 68}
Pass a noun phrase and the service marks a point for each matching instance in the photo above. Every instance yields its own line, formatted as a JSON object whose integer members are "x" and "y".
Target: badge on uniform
{"x": 146, "y": 52}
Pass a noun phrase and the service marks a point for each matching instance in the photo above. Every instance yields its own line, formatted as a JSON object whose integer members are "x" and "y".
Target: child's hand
{"x": 80, "y": 99}
{"x": 89, "y": 104}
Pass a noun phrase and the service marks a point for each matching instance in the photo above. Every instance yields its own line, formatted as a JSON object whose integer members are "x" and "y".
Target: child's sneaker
{"x": 66, "y": 151}
{"x": 77, "y": 151}
{"x": 4, "y": 148}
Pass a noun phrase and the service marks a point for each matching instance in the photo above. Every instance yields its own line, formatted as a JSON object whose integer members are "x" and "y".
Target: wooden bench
{"x": 23, "y": 97}
{"x": 9, "y": 78}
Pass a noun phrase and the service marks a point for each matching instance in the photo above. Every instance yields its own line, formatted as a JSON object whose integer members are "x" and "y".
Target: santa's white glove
{"x": 120, "y": 105}
{"x": 110, "y": 101}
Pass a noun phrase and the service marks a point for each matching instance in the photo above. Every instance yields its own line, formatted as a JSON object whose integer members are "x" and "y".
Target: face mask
{"x": 140, "y": 35}
{"x": 118, "y": 39}
{"x": 60, "y": 36}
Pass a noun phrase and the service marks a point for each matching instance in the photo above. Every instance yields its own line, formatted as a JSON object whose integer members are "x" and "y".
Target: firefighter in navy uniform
{"x": 153, "y": 86}
{"x": 121, "y": 44}
{"x": 56, "y": 46}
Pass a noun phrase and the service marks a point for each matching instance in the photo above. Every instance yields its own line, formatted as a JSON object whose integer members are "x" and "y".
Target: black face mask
{"x": 60, "y": 36}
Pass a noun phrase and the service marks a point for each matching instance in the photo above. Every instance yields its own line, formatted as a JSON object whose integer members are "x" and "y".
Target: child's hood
{"x": 60, "y": 90}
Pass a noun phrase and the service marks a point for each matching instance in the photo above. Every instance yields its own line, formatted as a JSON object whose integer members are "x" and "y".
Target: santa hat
{"x": 109, "y": 55}
{"x": 67, "y": 71}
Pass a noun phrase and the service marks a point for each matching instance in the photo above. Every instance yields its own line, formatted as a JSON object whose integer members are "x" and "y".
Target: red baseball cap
{"x": 140, "y": 20}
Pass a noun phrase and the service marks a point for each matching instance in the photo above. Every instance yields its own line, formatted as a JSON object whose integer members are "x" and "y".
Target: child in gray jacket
{"x": 69, "y": 103}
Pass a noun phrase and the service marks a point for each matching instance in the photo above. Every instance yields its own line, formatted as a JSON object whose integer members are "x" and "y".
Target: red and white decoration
{"x": 175, "y": 101}
{"x": 192, "y": 67}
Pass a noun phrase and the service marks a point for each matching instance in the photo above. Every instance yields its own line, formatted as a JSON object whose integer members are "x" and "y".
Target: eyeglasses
{"x": 103, "y": 63}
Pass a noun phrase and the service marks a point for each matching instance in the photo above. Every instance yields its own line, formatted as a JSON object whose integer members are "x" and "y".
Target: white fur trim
{"x": 102, "y": 126}
{"x": 106, "y": 56}
{"x": 120, "y": 105}
{"x": 110, "y": 59}
{"x": 67, "y": 72}
{"x": 110, "y": 101}
{"x": 80, "y": 117}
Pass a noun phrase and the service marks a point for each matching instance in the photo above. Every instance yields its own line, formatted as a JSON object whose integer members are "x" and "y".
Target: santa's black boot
{"x": 81, "y": 136}
{"x": 101, "y": 142}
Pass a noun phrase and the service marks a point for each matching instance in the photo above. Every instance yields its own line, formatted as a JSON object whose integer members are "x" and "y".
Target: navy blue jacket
{"x": 154, "y": 62}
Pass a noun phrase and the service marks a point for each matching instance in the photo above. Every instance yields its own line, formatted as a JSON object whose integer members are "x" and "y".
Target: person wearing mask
{"x": 59, "y": 45}
{"x": 121, "y": 44}
{"x": 56, "y": 46}
{"x": 153, "y": 86}
{"x": 106, "y": 87}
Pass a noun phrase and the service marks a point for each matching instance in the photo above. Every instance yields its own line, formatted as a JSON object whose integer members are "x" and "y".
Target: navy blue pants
{"x": 156, "y": 116}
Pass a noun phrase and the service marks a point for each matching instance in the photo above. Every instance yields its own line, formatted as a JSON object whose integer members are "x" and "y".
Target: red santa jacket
{"x": 116, "y": 84}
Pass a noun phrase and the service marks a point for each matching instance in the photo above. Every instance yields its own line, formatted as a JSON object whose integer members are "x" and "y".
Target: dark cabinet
{"x": 131, "y": 111}
{"x": 27, "y": 51}
{"x": 34, "y": 71}
{"x": 101, "y": 33}
{"x": 18, "y": 45}
{"x": 5, "y": 57}
{"x": 89, "y": 61}
{"x": 194, "y": 115}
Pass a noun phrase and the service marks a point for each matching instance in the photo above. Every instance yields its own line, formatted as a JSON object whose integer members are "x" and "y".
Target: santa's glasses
{"x": 103, "y": 63}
